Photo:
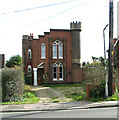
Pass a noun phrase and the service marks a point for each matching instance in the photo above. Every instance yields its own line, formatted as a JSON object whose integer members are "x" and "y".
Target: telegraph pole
{"x": 111, "y": 52}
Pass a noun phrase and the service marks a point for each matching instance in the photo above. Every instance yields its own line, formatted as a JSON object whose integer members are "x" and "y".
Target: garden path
{"x": 47, "y": 94}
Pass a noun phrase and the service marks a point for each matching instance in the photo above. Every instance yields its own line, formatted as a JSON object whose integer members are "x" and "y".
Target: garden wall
{"x": 89, "y": 86}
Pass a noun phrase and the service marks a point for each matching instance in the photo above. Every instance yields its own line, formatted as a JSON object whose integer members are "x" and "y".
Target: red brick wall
{"x": 66, "y": 61}
{"x": 89, "y": 85}
{"x": 65, "y": 37}
{"x": 77, "y": 75}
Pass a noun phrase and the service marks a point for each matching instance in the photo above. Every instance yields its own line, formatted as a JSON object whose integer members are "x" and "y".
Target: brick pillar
{"x": 88, "y": 85}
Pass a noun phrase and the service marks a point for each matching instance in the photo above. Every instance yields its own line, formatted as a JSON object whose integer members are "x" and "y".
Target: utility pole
{"x": 111, "y": 51}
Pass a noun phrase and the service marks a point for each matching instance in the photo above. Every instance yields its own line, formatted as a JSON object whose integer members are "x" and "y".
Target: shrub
{"x": 28, "y": 78}
{"x": 12, "y": 84}
{"x": 96, "y": 76}
{"x": 45, "y": 80}
{"x": 28, "y": 95}
{"x": 27, "y": 88}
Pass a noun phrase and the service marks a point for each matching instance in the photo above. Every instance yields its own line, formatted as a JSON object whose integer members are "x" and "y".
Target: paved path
{"x": 58, "y": 106}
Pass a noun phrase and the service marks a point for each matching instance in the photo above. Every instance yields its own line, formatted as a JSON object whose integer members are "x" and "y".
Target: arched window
{"x": 57, "y": 49}
{"x": 57, "y": 71}
{"x": 43, "y": 51}
{"x": 29, "y": 68}
{"x": 29, "y": 54}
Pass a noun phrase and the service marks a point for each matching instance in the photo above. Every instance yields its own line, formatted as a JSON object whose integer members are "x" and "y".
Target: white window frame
{"x": 57, "y": 65}
{"x": 61, "y": 79}
{"x": 54, "y": 52}
{"x": 54, "y": 79}
{"x": 60, "y": 52}
{"x": 57, "y": 43}
{"x": 43, "y": 51}
{"x": 29, "y": 68}
{"x": 29, "y": 54}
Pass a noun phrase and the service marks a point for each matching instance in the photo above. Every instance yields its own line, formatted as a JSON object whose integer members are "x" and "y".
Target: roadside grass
{"x": 25, "y": 101}
{"x": 114, "y": 97}
{"x": 29, "y": 97}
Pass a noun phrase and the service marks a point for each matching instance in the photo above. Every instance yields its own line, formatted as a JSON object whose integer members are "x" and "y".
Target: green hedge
{"x": 12, "y": 85}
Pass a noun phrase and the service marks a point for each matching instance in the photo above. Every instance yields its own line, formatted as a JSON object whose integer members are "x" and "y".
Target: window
{"x": 57, "y": 50}
{"x": 57, "y": 71}
{"x": 43, "y": 51}
{"x": 29, "y": 54}
{"x": 29, "y": 68}
{"x": 60, "y": 51}
{"x": 60, "y": 73}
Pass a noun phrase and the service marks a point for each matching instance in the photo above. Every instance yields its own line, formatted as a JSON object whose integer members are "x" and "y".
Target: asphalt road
{"x": 77, "y": 113}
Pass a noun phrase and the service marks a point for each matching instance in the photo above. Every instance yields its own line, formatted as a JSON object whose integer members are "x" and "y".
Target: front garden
{"x": 14, "y": 90}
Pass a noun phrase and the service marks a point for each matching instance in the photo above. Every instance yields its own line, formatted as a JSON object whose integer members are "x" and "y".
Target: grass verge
{"x": 28, "y": 98}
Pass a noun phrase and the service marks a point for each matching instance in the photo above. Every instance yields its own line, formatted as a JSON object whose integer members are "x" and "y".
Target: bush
{"x": 45, "y": 80}
{"x": 12, "y": 85}
{"x": 28, "y": 78}
{"x": 96, "y": 76}
{"x": 27, "y": 88}
{"x": 28, "y": 95}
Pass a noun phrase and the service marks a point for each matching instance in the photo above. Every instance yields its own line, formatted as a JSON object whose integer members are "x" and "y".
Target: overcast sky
{"x": 22, "y": 17}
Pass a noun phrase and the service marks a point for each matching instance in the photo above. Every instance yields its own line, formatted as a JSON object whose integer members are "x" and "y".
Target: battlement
{"x": 27, "y": 37}
{"x": 75, "y": 25}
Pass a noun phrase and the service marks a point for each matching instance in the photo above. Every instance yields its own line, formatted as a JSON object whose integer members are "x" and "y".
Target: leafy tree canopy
{"x": 96, "y": 62}
{"x": 13, "y": 61}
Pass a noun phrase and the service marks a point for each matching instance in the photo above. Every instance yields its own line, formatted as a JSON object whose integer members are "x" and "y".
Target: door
{"x": 40, "y": 76}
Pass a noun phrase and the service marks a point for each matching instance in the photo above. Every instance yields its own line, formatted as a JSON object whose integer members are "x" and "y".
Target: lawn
{"x": 75, "y": 92}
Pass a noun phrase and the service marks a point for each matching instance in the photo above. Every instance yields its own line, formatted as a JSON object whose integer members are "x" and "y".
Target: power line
{"x": 43, "y": 6}
{"x": 56, "y": 14}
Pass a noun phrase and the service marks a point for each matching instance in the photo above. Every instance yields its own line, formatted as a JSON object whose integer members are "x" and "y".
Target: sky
{"x": 22, "y": 17}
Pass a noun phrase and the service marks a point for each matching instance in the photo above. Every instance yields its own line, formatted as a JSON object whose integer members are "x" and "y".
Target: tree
{"x": 13, "y": 61}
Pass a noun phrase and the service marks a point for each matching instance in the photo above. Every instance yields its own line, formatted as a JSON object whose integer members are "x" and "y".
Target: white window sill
{"x": 60, "y": 58}
{"x": 43, "y": 58}
{"x": 55, "y": 80}
{"x": 58, "y": 80}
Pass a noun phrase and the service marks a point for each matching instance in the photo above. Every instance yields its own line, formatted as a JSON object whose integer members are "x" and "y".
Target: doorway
{"x": 40, "y": 74}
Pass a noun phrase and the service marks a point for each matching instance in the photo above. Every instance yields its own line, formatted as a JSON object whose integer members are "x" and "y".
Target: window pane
{"x": 60, "y": 47}
{"x": 29, "y": 53}
{"x": 60, "y": 51}
{"x": 29, "y": 68}
{"x": 60, "y": 75}
{"x": 43, "y": 47}
{"x": 60, "y": 72}
{"x": 60, "y": 69}
{"x": 55, "y": 75}
{"x": 42, "y": 51}
{"x": 54, "y": 51}
{"x": 54, "y": 69}
{"x": 55, "y": 72}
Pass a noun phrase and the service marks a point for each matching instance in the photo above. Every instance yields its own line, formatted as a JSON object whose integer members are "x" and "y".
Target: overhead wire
{"x": 56, "y": 14}
{"x": 43, "y": 6}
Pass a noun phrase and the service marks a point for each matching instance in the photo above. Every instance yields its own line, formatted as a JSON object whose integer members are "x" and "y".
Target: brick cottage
{"x": 56, "y": 54}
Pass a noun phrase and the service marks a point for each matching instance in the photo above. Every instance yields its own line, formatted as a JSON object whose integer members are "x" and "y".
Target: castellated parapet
{"x": 75, "y": 25}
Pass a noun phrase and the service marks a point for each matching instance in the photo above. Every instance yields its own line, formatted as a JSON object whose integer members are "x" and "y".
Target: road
{"x": 77, "y": 113}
